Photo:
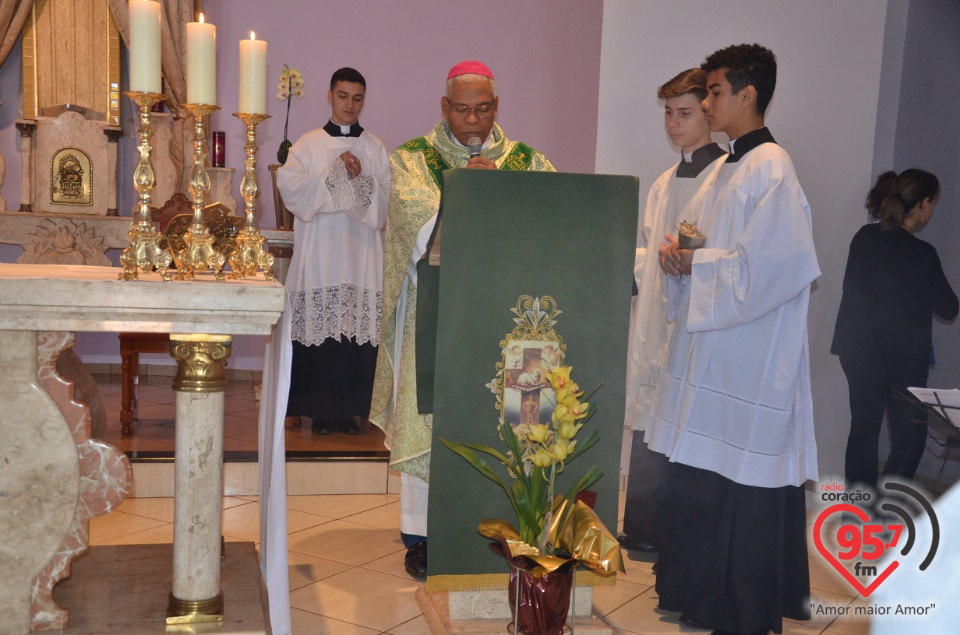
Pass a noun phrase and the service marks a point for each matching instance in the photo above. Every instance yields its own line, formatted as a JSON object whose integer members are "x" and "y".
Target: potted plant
{"x": 555, "y": 532}
{"x": 290, "y": 86}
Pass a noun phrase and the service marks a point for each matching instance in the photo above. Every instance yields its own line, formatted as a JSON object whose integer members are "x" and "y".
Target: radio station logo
{"x": 857, "y": 547}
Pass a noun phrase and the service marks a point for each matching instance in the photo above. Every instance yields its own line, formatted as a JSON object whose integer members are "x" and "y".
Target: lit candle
{"x": 201, "y": 63}
{"x": 144, "y": 46}
{"x": 253, "y": 75}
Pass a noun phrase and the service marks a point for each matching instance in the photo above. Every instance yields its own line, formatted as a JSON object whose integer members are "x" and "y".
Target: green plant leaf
{"x": 476, "y": 461}
{"x": 482, "y": 447}
{"x": 584, "y": 444}
{"x": 506, "y": 431}
{"x": 592, "y": 476}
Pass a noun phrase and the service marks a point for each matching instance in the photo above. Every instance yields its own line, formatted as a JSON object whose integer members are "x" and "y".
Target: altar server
{"x": 336, "y": 182}
{"x": 676, "y": 196}
{"x": 734, "y": 412}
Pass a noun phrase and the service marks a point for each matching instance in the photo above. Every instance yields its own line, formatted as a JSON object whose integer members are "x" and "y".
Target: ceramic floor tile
{"x": 345, "y": 542}
{"x": 244, "y": 443}
{"x": 383, "y": 517}
{"x": 238, "y": 424}
{"x": 162, "y": 508}
{"x": 306, "y": 623}
{"x": 391, "y": 564}
{"x": 243, "y": 522}
{"x": 824, "y": 608}
{"x": 304, "y": 569}
{"x": 337, "y": 505}
{"x": 607, "y": 599}
{"x": 641, "y": 615}
{"x": 157, "y": 412}
{"x": 156, "y": 508}
{"x": 416, "y": 626}
{"x": 368, "y": 598}
{"x": 852, "y": 623}
{"x": 117, "y": 524}
{"x": 639, "y": 569}
{"x": 161, "y": 535}
{"x": 824, "y": 577}
{"x": 801, "y": 628}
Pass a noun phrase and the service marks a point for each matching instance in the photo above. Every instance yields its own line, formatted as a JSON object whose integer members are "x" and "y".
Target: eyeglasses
{"x": 463, "y": 111}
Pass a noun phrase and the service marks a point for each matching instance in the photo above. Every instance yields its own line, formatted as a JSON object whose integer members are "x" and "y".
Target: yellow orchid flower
{"x": 562, "y": 449}
{"x": 539, "y": 432}
{"x": 568, "y": 430}
{"x": 541, "y": 458}
{"x": 559, "y": 377}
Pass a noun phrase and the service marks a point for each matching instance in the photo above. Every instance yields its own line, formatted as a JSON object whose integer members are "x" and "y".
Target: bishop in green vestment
{"x": 467, "y": 136}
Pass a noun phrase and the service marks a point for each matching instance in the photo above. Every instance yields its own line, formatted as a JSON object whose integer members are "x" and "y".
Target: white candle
{"x": 144, "y": 46}
{"x": 253, "y": 75}
{"x": 201, "y": 63}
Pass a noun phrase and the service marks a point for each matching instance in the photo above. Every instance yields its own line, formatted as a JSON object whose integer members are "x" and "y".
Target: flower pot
{"x": 543, "y": 602}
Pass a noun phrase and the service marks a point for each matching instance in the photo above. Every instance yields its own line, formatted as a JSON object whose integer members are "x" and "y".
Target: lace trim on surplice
{"x": 344, "y": 309}
{"x": 351, "y": 196}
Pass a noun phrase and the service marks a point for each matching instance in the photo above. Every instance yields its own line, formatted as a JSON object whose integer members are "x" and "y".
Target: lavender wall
{"x": 545, "y": 55}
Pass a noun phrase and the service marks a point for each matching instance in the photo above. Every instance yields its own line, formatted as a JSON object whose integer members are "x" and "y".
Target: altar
{"x": 54, "y": 477}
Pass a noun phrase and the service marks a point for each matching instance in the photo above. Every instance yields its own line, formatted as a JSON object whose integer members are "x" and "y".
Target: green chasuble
{"x": 417, "y": 168}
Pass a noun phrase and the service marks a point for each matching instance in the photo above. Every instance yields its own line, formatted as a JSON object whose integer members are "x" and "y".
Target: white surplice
{"x": 735, "y": 394}
{"x": 336, "y": 273}
{"x": 670, "y": 200}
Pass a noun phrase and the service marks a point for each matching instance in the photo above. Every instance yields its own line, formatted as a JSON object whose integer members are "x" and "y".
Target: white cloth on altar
{"x": 735, "y": 394}
{"x": 272, "y": 478}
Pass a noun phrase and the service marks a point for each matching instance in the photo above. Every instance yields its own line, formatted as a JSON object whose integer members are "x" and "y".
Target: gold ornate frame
{"x": 533, "y": 342}
{"x": 66, "y": 186}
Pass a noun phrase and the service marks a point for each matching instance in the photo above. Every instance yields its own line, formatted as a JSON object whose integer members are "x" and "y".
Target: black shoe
{"x": 645, "y": 547}
{"x": 323, "y": 426}
{"x": 350, "y": 426}
{"x": 415, "y": 562}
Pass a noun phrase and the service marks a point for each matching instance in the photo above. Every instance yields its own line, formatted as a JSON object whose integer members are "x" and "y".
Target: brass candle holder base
{"x": 250, "y": 254}
{"x": 144, "y": 252}
{"x": 199, "y": 253}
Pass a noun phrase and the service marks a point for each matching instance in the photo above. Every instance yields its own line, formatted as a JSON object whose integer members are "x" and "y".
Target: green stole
{"x": 428, "y": 277}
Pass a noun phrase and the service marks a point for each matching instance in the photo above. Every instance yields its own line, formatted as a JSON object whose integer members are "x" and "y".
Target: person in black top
{"x": 892, "y": 287}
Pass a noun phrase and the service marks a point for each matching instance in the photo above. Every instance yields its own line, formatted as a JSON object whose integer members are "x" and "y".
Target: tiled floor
{"x": 346, "y": 558}
{"x": 347, "y": 578}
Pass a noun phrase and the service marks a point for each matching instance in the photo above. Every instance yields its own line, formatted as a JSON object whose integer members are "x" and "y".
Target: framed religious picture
{"x": 71, "y": 177}
{"x": 528, "y": 354}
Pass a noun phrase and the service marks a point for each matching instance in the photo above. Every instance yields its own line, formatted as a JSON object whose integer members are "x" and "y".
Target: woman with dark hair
{"x": 892, "y": 287}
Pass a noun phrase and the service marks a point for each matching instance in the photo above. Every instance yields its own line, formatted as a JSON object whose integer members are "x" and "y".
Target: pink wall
{"x": 545, "y": 55}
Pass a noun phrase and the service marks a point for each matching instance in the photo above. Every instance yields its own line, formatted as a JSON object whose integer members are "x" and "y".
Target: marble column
{"x": 39, "y": 478}
{"x": 26, "y": 129}
{"x": 200, "y": 383}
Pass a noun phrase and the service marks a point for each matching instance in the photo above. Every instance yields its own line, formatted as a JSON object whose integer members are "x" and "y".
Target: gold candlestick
{"x": 250, "y": 254}
{"x": 144, "y": 252}
{"x": 199, "y": 254}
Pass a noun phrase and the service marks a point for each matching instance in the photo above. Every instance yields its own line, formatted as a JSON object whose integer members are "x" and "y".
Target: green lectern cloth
{"x": 571, "y": 237}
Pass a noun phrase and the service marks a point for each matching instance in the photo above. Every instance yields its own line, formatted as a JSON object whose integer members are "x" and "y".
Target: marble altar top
{"x": 83, "y": 298}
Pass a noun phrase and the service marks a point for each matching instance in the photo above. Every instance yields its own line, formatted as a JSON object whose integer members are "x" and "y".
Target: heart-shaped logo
{"x": 818, "y": 541}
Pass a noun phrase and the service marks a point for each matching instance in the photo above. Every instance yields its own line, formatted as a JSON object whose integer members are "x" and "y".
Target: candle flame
{"x": 201, "y": 18}
{"x": 253, "y": 35}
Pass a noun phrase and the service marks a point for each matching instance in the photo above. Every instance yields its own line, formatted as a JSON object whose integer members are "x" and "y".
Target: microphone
{"x": 473, "y": 146}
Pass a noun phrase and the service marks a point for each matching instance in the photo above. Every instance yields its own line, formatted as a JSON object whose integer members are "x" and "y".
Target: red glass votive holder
{"x": 218, "y": 153}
